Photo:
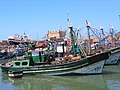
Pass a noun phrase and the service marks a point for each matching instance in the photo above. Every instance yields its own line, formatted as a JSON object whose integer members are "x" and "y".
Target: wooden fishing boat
{"x": 46, "y": 62}
{"x": 19, "y": 39}
{"x": 88, "y": 65}
{"x": 113, "y": 46}
{"x": 114, "y": 57}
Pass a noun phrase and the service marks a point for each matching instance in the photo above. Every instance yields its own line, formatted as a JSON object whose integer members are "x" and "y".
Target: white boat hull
{"x": 113, "y": 59}
{"x": 95, "y": 68}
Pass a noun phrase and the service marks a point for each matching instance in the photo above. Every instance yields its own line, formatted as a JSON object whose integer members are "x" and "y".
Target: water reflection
{"x": 113, "y": 84}
{"x": 111, "y": 76}
{"x": 5, "y": 84}
{"x": 109, "y": 80}
{"x": 60, "y": 83}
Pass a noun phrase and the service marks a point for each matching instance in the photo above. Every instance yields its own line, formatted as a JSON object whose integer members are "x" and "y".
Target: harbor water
{"x": 109, "y": 80}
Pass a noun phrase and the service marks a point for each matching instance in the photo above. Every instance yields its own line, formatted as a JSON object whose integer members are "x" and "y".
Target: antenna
{"x": 68, "y": 19}
{"x": 87, "y": 24}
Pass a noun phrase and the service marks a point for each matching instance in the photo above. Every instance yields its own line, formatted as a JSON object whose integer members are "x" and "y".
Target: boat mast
{"x": 89, "y": 40}
{"x": 81, "y": 49}
{"x": 111, "y": 33}
{"x": 102, "y": 36}
{"x": 72, "y": 38}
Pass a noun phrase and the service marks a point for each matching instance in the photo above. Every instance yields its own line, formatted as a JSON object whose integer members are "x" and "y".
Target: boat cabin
{"x": 21, "y": 63}
{"x": 36, "y": 57}
{"x": 43, "y": 56}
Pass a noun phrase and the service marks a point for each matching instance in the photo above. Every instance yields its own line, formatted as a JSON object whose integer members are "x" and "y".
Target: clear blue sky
{"x": 36, "y": 17}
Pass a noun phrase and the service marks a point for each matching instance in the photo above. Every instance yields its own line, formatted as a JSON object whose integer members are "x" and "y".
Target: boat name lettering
{"x": 97, "y": 68}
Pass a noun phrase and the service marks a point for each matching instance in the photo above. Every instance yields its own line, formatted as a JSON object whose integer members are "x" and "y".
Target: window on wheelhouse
{"x": 24, "y": 63}
{"x": 17, "y": 63}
